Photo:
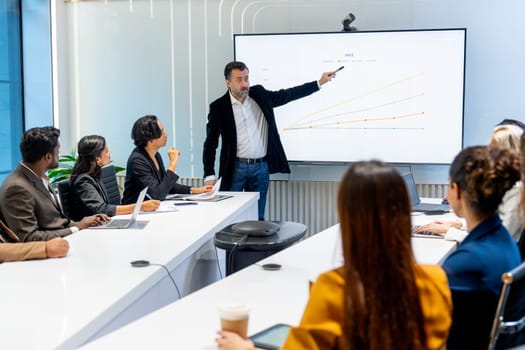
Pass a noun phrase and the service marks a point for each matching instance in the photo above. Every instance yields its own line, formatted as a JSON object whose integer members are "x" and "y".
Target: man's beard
{"x": 53, "y": 165}
{"x": 243, "y": 93}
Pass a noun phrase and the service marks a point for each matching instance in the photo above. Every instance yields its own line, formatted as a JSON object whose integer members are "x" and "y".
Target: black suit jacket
{"x": 141, "y": 172}
{"x": 221, "y": 122}
{"x": 88, "y": 197}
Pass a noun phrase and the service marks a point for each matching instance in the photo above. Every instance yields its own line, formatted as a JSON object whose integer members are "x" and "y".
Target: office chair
{"x": 508, "y": 329}
{"x": 64, "y": 188}
{"x": 6, "y": 234}
{"x": 521, "y": 245}
{"x": 472, "y": 316}
{"x": 108, "y": 179}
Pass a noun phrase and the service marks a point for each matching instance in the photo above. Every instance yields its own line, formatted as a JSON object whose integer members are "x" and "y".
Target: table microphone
{"x": 144, "y": 263}
{"x": 139, "y": 263}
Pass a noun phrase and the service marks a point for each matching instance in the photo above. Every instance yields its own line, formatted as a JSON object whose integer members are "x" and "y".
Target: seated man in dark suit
{"x": 28, "y": 204}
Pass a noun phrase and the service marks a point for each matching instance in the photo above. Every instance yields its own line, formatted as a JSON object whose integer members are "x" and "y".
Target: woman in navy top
{"x": 478, "y": 179}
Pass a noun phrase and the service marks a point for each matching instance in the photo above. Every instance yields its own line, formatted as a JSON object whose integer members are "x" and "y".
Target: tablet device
{"x": 271, "y": 338}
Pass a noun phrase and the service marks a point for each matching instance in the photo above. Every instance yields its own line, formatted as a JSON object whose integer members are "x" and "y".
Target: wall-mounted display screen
{"x": 399, "y": 97}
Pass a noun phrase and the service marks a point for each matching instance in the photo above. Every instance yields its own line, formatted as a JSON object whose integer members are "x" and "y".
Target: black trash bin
{"x": 246, "y": 248}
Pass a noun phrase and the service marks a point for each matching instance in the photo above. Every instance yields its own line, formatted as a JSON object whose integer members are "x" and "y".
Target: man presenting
{"x": 29, "y": 206}
{"x": 251, "y": 146}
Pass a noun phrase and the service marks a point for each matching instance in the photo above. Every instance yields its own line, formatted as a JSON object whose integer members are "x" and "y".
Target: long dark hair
{"x": 381, "y": 296}
{"x": 88, "y": 149}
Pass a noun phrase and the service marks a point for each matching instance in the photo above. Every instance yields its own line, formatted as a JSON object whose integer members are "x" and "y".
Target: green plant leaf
{"x": 67, "y": 158}
{"x": 66, "y": 164}
{"x": 119, "y": 168}
{"x": 59, "y": 178}
{"x": 52, "y": 173}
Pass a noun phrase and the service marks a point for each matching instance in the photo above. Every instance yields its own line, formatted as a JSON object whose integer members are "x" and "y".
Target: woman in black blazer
{"x": 88, "y": 195}
{"x": 146, "y": 168}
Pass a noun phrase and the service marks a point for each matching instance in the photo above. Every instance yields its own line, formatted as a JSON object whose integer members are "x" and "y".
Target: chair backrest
{"x": 472, "y": 315}
{"x": 64, "y": 188}
{"x": 521, "y": 245}
{"x": 6, "y": 234}
{"x": 508, "y": 329}
{"x": 108, "y": 178}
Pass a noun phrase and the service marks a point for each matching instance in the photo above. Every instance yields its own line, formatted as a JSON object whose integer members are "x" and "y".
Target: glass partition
{"x": 10, "y": 86}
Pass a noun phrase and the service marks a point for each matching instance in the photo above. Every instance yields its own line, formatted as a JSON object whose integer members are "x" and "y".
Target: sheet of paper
{"x": 165, "y": 207}
{"x": 207, "y": 195}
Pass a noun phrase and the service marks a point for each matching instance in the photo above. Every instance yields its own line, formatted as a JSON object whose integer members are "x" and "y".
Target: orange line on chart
{"x": 299, "y": 121}
{"x": 374, "y": 119}
{"x": 361, "y": 110}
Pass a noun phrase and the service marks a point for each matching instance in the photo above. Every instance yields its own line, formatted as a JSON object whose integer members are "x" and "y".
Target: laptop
{"x": 211, "y": 196}
{"x": 126, "y": 223}
{"x": 425, "y": 234}
{"x": 416, "y": 201}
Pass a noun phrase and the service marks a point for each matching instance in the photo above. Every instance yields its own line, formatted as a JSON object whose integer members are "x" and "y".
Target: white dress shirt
{"x": 252, "y": 128}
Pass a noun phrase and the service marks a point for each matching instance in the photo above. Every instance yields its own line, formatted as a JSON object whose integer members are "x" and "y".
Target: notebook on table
{"x": 416, "y": 200}
{"x": 126, "y": 223}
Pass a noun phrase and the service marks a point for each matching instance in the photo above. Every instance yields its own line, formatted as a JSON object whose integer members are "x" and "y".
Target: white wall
{"x": 165, "y": 57}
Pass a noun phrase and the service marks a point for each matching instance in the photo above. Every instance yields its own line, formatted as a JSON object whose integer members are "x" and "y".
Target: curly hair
{"x": 485, "y": 174}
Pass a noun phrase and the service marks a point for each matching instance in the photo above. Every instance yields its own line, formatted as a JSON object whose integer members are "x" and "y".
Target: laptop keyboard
{"x": 431, "y": 207}
{"x": 118, "y": 223}
{"x": 424, "y": 234}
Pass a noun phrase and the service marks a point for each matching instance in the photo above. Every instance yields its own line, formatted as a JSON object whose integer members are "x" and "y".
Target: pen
{"x": 148, "y": 196}
{"x": 338, "y": 69}
{"x": 184, "y": 203}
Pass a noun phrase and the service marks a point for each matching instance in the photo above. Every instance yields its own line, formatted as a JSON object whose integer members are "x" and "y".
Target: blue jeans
{"x": 253, "y": 178}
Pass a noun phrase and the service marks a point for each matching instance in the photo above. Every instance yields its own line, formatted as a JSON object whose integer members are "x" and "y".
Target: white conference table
{"x": 273, "y": 296}
{"x": 62, "y": 303}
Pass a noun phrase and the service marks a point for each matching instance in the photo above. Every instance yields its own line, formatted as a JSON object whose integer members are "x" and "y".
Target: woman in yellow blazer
{"x": 381, "y": 298}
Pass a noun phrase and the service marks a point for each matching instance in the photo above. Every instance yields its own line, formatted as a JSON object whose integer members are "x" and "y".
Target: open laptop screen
{"x": 412, "y": 189}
